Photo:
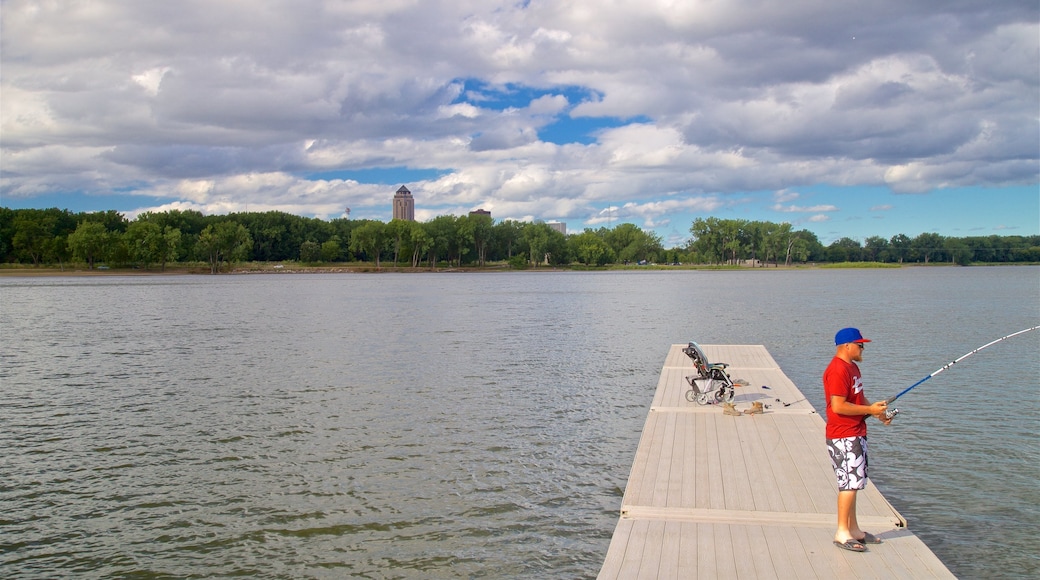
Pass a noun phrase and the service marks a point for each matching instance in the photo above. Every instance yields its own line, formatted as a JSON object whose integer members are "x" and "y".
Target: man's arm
{"x": 842, "y": 407}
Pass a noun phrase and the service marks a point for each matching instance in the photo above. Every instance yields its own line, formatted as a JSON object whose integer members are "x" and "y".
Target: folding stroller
{"x": 711, "y": 384}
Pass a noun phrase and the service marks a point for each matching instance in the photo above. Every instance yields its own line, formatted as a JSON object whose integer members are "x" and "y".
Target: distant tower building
{"x": 480, "y": 212}
{"x": 558, "y": 226}
{"x": 404, "y": 205}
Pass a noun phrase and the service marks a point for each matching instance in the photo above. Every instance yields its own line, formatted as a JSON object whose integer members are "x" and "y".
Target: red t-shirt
{"x": 843, "y": 379}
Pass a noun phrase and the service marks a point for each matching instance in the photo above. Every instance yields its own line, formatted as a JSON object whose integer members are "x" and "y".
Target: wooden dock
{"x": 717, "y": 496}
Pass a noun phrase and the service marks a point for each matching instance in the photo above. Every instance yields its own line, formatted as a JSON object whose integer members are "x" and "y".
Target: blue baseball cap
{"x": 847, "y": 335}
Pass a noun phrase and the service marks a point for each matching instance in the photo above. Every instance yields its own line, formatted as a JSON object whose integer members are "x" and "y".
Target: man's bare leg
{"x": 847, "y": 524}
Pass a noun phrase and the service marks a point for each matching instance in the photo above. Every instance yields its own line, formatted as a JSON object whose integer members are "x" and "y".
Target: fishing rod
{"x": 892, "y": 412}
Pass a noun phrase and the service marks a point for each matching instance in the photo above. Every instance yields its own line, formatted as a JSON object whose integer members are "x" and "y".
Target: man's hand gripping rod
{"x": 892, "y": 412}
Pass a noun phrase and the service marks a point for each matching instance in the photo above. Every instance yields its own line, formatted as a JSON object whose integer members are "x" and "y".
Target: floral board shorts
{"x": 849, "y": 459}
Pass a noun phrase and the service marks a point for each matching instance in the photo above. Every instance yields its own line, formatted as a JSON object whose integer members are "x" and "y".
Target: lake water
{"x": 466, "y": 425}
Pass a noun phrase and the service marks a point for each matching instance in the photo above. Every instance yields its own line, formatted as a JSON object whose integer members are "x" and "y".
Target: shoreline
{"x": 52, "y": 272}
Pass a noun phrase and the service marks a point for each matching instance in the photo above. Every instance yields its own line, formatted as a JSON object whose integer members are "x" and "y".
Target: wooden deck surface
{"x": 717, "y": 496}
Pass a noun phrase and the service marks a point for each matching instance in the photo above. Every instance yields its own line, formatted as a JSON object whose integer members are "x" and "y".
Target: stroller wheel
{"x": 726, "y": 394}
{"x": 702, "y": 398}
{"x": 691, "y": 396}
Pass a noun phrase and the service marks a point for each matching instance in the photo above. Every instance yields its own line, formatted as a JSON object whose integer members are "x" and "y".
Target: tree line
{"x": 153, "y": 240}
{"x": 56, "y": 237}
{"x": 742, "y": 241}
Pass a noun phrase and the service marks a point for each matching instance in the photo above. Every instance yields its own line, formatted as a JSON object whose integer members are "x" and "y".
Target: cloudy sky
{"x": 846, "y": 117}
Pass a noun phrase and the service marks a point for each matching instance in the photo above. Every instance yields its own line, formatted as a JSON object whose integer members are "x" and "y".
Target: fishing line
{"x": 891, "y": 413}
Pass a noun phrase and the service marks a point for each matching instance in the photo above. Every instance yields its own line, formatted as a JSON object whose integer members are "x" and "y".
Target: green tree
{"x": 89, "y": 242}
{"x": 480, "y": 229}
{"x": 899, "y": 248}
{"x": 144, "y": 240}
{"x": 33, "y": 234}
{"x": 536, "y": 236}
{"x": 775, "y": 243}
{"x": 958, "y": 251}
{"x": 341, "y": 229}
{"x": 556, "y": 248}
{"x": 589, "y": 248}
{"x": 188, "y": 223}
{"x": 703, "y": 241}
{"x": 545, "y": 245}
{"x": 927, "y": 246}
{"x": 268, "y": 235}
{"x": 57, "y": 250}
{"x": 797, "y": 246}
{"x": 1030, "y": 250}
{"x": 310, "y": 252}
{"x": 718, "y": 240}
{"x": 462, "y": 241}
{"x": 224, "y": 242}
{"x": 6, "y": 232}
{"x": 734, "y": 236}
{"x": 754, "y": 237}
{"x": 442, "y": 236}
{"x": 629, "y": 243}
{"x": 168, "y": 249}
{"x": 278, "y": 235}
{"x": 844, "y": 250}
{"x": 330, "y": 250}
{"x": 1002, "y": 249}
{"x": 507, "y": 237}
{"x": 420, "y": 242}
{"x": 876, "y": 249}
{"x": 398, "y": 232}
{"x": 980, "y": 247}
{"x": 814, "y": 249}
{"x": 369, "y": 238}
{"x": 111, "y": 219}
{"x": 36, "y": 235}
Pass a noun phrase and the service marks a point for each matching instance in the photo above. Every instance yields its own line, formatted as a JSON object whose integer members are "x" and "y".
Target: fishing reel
{"x": 890, "y": 413}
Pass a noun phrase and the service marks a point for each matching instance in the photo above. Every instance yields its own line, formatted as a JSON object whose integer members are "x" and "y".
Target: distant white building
{"x": 558, "y": 226}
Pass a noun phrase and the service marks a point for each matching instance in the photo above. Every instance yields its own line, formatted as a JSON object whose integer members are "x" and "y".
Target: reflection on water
{"x": 442, "y": 425}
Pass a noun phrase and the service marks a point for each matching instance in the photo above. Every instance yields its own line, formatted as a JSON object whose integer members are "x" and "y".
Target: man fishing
{"x": 847, "y": 412}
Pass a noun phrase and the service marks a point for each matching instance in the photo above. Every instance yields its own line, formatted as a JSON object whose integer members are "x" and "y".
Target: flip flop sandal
{"x": 851, "y": 545}
{"x": 869, "y": 538}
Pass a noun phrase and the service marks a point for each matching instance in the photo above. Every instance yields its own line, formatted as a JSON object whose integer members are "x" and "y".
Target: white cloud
{"x": 804, "y": 209}
{"x": 705, "y": 98}
{"x": 151, "y": 79}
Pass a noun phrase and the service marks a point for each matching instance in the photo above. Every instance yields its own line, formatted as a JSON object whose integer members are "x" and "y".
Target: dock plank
{"x": 738, "y": 482}
{"x": 712, "y": 495}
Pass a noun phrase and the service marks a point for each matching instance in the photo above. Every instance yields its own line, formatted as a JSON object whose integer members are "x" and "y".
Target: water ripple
{"x": 449, "y": 426}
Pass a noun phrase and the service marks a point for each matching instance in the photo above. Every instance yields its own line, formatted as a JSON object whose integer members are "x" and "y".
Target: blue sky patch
{"x": 582, "y": 129}
{"x": 564, "y": 129}
{"x": 79, "y": 202}
{"x": 512, "y": 96}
